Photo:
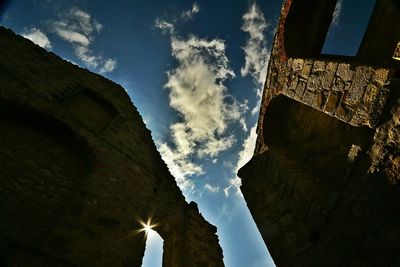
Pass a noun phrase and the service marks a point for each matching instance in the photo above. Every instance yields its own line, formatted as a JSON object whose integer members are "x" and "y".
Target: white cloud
{"x": 244, "y": 125}
{"x": 337, "y": 13}
{"x": 165, "y": 26}
{"x": 258, "y": 105}
{"x": 233, "y": 187}
{"x": 256, "y": 52}
{"x": 211, "y": 188}
{"x": 248, "y": 148}
{"x": 38, "y": 37}
{"x": 86, "y": 55}
{"x": 214, "y": 146}
{"x": 179, "y": 166}
{"x": 244, "y": 156}
{"x": 109, "y": 65}
{"x": 198, "y": 93}
{"x": 256, "y": 64}
{"x": 79, "y": 28}
{"x": 169, "y": 27}
{"x": 72, "y": 36}
{"x": 190, "y": 13}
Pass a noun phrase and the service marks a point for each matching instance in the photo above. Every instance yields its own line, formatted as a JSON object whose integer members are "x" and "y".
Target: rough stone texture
{"x": 323, "y": 185}
{"x": 79, "y": 170}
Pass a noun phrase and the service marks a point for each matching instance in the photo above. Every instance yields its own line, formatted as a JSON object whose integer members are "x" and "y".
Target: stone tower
{"x": 324, "y": 183}
{"x": 79, "y": 171}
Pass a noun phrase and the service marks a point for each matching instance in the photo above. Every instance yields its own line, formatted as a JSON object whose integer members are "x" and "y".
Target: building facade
{"x": 79, "y": 172}
{"x": 323, "y": 183}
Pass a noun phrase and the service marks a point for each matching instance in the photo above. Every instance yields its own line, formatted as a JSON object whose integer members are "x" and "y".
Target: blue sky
{"x": 194, "y": 70}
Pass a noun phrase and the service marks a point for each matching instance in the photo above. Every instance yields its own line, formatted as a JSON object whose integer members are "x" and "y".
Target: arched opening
{"x": 90, "y": 109}
{"x": 42, "y": 163}
{"x": 154, "y": 249}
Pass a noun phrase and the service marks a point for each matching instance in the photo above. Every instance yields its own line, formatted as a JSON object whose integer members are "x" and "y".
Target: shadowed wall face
{"x": 42, "y": 163}
{"x": 79, "y": 171}
{"x": 320, "y": 142}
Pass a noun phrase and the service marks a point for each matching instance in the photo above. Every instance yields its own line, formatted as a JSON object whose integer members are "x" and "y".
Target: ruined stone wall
{"x": 323, "y": 184}
{"x": 79, "y": 171}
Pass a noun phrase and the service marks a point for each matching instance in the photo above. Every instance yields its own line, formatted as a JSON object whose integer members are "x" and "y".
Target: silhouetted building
{"x": 79, "y": 170}
{"x": 323, "y": 184}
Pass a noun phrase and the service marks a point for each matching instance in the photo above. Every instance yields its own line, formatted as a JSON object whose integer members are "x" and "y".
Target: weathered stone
{"x": 341, "y": 181}
{"x": 297, "y": 64}
{"x": 344, "y": 72}
{"x": 301, "y": 86}
{"x": 306, "y": 71}
{"x": 329, "y": 74}
{"x": 380, "y": 76}
{"x": 319, "y": 66}
{"x": 308, "y": 97}
{"x": 331, "y": 103}
{"x": 79, "y": 172}
{"x": 396, "y": 54}
{"x": 359, "y": 83}
{"x": 319, "y": 100}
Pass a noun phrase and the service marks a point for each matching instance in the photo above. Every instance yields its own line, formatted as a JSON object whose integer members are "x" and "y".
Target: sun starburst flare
{"x": 147, "y": 226}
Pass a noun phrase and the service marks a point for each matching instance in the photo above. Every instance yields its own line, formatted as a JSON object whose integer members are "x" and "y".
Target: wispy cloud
{"x": 165, "y": 26}
{"x": 244, "y": 156}
{"x": 109, "y": 65}
{"x": 247, "y": 149}
{"x": 38, "y": 37}
{"x": 211, "y": 188}
{"x": 256, "y": 64}
{"x": 179, "y": 165}
{"x": 79, "y": 28}
{"x": 188, "y": 14}
{"x": 256, "y": 52}
{"x": 197, "y": 92}
{"x": 337, "y": 13}
{"x": 233, "y": 188}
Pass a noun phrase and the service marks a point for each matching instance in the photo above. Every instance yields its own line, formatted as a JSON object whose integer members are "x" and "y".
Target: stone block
{"x": 308, "y": 97}
{"x": 331, "y": 103}
{"x": 344, "y": 112}
{"x": 329, "y": 74}
{"x": 305, "y": 72}
{"x": 300, "y": 90}
{"x": 360, "y": 81}
{"x": 297, "y": 64}
{"x": 344, "y": 72}
{"x": 313, "y": 82}
{"x": 381, "y": 76}
{"x": 319, "y": 66}
{"x": 319, "y": 100}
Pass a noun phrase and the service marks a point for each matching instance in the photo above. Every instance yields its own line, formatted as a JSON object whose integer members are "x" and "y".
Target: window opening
{"x": 349, "y": 23}
{"x": 154, "y": 249}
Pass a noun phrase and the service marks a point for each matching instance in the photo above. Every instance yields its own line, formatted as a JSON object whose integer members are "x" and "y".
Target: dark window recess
{"x": 306, "y": 26}
{"x": 349, "y": 23}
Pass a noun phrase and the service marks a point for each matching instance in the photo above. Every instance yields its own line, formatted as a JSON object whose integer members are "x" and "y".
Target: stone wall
{"x": 323, "y": 184}
{"x": 79, "y": 171}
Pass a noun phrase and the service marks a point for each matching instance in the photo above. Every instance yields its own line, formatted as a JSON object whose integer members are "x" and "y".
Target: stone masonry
{"x": 79, "y": 171}
{"x": 324, "y": 182}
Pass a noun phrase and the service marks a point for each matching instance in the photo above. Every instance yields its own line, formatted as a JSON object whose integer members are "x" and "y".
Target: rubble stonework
{"x": 79, "y": 171}
{"x": 323, "y": 184}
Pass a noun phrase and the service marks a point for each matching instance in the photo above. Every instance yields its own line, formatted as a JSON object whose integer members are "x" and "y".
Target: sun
{"x": 147, "y": 226}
